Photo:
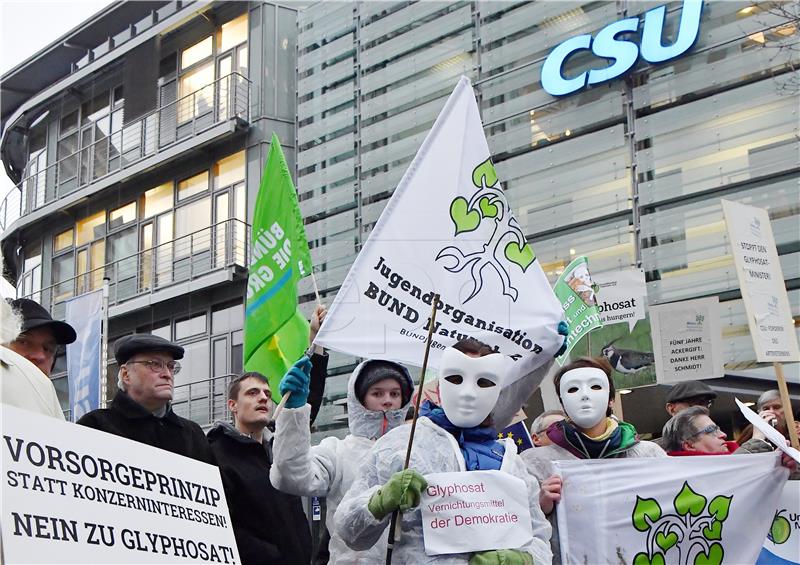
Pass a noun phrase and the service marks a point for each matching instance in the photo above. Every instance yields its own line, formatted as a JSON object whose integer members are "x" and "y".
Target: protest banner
{"x": 475, "y": 511}
{"x": 673, "y": 510}
{"x": 73, "y": 494}
{"x": 575, "y": 291}
{"x": 275, "y": 331}
{"x": 687, "y": 340}
{"x": 447, "y": 229}
{"x": 761, "y": 279}
{"x": 85, "y": 314}
{"x": 782, "y": 546}
{"x": 625, "y": 338}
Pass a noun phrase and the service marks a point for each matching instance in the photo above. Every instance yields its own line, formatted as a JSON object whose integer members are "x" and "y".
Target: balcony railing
{"x": 203, "y": 402}
{"x": 186, "y": 258}
{"x": 225, "y": 99}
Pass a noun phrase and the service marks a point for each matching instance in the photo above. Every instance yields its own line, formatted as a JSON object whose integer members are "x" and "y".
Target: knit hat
{"x": 378, "y": 370}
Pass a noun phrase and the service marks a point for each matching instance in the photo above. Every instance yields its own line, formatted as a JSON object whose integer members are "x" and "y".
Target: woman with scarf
{"x": 456, "y": 436}
{"x": 586, "y": 392}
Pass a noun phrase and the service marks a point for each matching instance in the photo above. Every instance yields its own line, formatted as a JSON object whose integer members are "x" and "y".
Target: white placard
{"x": 687, "y": 340}
{"x": 621, "y": 296}
{"x": 475, "y": 511}
{"x": 771, "y": 433}
{"x": 72, "y": 494}
{"x": 758, "y": 268}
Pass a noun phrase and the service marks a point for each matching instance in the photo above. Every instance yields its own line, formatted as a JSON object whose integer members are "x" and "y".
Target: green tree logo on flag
{"x": 506, "y": 244}
{"x": 693, "y": 531}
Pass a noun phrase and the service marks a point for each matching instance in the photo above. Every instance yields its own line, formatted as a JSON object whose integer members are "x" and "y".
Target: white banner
{"x": 475, "y": 511}
{"x": 621, "y": 296}
{"x": 447, "y": 229}
{"x": 72, "y": 494}
{"x": 761, "y": 280}
{"x": 674, "y": 510}
{"x": 782, "y": 546}
{"x": 687, "y": 340}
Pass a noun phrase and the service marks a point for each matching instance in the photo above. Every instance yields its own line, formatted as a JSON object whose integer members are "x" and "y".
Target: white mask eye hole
{"x": 485, "y": 383}
{"x": 454, "y": 379}
{"x": 597, "y": 387}
{"x": 572, "y": 389}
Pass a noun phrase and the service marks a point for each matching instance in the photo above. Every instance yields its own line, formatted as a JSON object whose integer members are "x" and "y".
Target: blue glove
{"x": 563, "y": 329}
{"x": 296, "y": 381}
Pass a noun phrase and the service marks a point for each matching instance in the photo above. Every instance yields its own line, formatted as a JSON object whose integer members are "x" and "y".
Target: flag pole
{"x": 316, "y": 288}
{"x": 787, "y": 404}
{"x": 394, "y": 526}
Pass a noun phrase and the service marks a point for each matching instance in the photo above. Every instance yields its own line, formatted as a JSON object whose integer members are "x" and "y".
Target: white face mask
{"x": 584, "y": 394}
{"x": 469, "y": 386}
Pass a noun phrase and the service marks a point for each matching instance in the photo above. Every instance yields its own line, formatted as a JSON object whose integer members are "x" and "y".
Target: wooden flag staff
{"x": 787, "y": 404}
{"x": 394, "y": 525}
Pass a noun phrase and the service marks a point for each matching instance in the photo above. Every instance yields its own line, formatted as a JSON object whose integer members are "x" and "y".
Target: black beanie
{"x": 377, "y": 370}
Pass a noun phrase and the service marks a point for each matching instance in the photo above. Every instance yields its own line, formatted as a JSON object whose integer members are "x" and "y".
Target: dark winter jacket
{"x": 270, "y": 526}
{"x": 126, "y": 418}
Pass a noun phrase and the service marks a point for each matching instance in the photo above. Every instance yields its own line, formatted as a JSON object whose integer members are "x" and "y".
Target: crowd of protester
{"x": 363, "y": 477}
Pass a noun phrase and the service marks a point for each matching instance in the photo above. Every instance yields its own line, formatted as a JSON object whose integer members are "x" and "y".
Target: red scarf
{"x": 732, "y": 446}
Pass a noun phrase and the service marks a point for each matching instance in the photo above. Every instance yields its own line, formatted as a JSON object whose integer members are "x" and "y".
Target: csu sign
{"x": 622, "y": 53}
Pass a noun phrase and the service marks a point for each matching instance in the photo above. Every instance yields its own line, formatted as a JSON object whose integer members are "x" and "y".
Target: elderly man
{"x": 23, "y": 384}
{"x": 540, "y": 425}
{"x": 40, "y": 335}
{"x": 685, "y": 394}
{"x": 270, "y": 526}
{"x": 141, "y": 409}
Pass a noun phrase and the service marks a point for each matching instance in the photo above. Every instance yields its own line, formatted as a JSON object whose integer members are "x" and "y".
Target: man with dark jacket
{"x": 141, "y": 409}
{"x": 270, "y": 526}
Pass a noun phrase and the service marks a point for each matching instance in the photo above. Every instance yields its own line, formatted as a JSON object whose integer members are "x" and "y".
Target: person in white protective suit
{"x": 458, "y": 436}
{"x": 378, "y": 395}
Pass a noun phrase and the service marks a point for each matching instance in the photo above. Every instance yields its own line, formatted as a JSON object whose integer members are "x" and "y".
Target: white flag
{"x": 711, "y": 510}
{"x": 447, "y": 229}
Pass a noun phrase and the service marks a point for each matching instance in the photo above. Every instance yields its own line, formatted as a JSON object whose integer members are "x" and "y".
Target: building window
{"x": 189, "y": 221}
{"x": 63, "y": 240}
{"x": 91, "y": 228}
{"x": 157, "y": 200}
{"x": 31, "y": 281}
{"x": 122, "y": 215}
{"x": 232, "y": 33}
{"x": 229, "y": 170}
{"x": 196, "y": 53}
{"x": 193, "y": 185}
{"x": 62, "y": 273}
{"x": 196, "y": 93}
{"x": 188, "y": 327}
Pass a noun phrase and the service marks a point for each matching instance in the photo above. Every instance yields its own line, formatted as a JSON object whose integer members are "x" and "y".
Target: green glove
{"x": 501, "y": 557}
{"x": 402, "y": 491}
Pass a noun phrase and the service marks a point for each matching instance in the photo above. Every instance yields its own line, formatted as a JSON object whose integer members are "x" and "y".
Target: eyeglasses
{"x": 710, "y": 429}
{"x": 157, "y": 366}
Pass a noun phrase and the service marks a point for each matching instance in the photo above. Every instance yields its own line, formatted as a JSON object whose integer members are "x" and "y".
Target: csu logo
{"x": 622, "y": 53}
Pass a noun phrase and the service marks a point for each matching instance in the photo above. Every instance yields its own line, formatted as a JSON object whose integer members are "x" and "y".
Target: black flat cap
{"x": 35, "y": 316}
{"x": 690, "y": 389}
{"x": 128, "y": 346}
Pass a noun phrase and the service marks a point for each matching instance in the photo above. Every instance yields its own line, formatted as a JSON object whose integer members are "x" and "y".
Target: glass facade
{"x": 629, "y": 172}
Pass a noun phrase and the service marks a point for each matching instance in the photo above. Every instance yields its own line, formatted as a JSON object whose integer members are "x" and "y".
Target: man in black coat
{"x": 141, "y": 409}
{"x": 270, "y": 526}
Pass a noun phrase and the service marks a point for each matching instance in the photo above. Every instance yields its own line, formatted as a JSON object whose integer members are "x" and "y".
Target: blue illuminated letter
{"x": 652, "y": 49}
{"x": 552, "y": 79}
{"x": 624, "y": 53}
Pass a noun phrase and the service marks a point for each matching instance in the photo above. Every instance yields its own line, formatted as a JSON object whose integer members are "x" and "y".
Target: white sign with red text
{"x": 475, "y": 511}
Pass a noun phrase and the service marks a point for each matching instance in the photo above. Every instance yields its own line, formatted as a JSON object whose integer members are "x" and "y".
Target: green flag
{"x": 275, "y": 333}
{"x": 575, "y": 289}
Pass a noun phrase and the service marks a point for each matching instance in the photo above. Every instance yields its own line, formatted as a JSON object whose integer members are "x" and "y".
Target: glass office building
{"x": 629, "y": 172}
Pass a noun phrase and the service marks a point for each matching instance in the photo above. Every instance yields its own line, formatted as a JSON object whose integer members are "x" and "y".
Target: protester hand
{"x": 563, "y": 329}
{"x": 769, "y": 417}
{"x": 501, "y": 557}
{"x": 296, "y": 380}
{"x": 788, "y": 462}
{"x": 550, "y": 493}
{"x": 402, "y": 491}
{"x": 316, "y": 322}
